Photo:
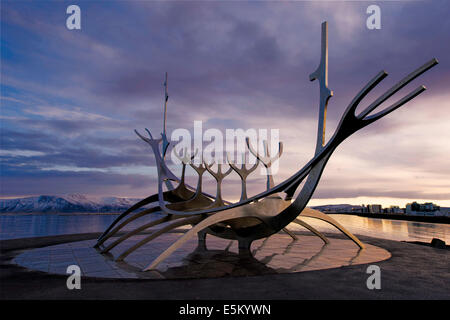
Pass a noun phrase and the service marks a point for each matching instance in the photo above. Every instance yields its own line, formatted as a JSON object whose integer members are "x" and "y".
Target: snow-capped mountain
{"x": 67, "y": 203}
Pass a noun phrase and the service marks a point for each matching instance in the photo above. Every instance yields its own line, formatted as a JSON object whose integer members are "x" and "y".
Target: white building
{"x": 427, "y": 208}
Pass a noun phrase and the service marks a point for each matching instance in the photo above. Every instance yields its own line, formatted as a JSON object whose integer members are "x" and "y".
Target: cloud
{"x": 58, "y": 183}
{"x": 70, "y": 100}
{"x": 62, "y": 114}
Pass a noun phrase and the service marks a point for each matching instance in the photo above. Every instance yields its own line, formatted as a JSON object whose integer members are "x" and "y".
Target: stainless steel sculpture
{"x": 266, "y": 213}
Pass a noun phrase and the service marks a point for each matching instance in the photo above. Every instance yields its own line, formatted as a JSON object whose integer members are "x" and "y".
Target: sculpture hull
{"x": 266, "y": 213}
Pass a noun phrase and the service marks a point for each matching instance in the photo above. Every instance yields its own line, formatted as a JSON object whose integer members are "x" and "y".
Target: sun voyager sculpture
{"x": 266, "y": 213}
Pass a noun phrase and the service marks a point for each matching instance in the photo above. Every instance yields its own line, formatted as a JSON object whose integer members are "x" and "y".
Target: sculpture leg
{"x": 311, "y": 213}
{"x": 244, "y": 247}
{"x": 313, "y": 230}
{"x": 201, "y": 245}
{"x": 156, "y": 234}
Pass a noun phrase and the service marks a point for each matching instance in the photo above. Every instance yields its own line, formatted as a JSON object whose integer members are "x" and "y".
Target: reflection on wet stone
{"x": 221, "y": 258}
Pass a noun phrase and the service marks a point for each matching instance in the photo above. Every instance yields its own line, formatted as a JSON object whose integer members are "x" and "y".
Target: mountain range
{"x": 82, "y": 203}
{"x": 66, "y": 203}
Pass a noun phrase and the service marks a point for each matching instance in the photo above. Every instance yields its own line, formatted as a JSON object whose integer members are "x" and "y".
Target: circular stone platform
{"x": 276, "y": 254}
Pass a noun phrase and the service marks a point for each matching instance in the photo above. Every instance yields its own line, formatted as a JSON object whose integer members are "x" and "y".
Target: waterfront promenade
{"x": 405, "y": 217}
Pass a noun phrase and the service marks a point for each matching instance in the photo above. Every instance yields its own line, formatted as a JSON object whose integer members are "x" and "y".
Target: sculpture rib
{"x": 185, "y": 221}
{"x": 312, "y": 229}
{"x": 136, "y": 206}
{"x": 289, "y": 233}
{"x": 316, "y": 214}
{"x": 127, "y": 221}
{"x": 140, "y": 229}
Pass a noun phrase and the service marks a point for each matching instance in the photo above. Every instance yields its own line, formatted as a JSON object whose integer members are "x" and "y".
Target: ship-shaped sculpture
{"x": 266, "y": 213}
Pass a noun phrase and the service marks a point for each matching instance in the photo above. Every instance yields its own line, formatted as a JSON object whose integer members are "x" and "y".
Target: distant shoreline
{"x": 431, "y": 219}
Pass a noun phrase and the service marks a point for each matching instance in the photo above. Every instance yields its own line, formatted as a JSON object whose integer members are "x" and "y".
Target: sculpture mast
{"x": 164, "y": 137}
{"x": 321, "y": 74}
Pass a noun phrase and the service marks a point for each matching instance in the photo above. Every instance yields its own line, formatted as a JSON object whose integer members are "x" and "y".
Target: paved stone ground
{"x": 413, "y": 272}
{"x": 276, "y": 254}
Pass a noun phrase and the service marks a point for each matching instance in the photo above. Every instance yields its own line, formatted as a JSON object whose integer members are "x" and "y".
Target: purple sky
{"x": 71, "y": 99}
